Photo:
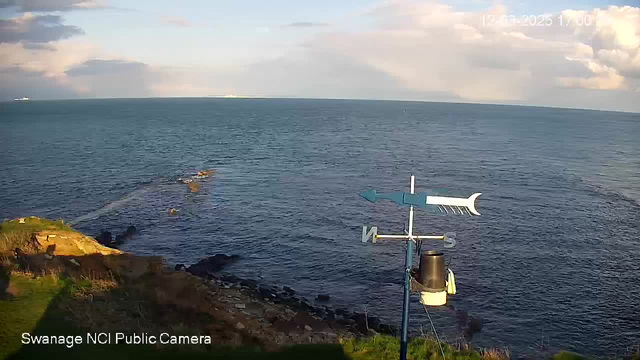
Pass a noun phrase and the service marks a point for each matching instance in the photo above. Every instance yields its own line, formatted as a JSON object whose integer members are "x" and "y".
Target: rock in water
{"x": 204, "y": 173}
{"x": 105, "y": 238}
{"x": 212, "y": 264}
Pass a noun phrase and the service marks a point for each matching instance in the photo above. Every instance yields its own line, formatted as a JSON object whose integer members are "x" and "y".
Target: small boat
{"x": 21, "y": 99}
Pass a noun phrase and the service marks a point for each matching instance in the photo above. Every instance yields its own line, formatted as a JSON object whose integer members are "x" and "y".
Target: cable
{"x": 434, "y": 330}
{"x": 419, "y": 248}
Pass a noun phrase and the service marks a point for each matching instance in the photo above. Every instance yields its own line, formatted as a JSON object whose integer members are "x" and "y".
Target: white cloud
{"x": 51, "y": 61}
{"x": 413, "y": 50}
{"x": 427, "y": 47}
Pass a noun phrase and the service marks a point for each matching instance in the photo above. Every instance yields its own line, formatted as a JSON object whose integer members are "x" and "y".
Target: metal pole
{"x": 407, "y": 293}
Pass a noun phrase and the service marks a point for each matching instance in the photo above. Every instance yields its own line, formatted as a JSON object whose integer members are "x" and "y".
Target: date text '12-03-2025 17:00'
{"x": 572, "y": 20}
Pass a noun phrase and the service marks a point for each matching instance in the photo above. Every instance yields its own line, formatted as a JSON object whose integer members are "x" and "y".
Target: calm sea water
{"x": 554, "y": 258}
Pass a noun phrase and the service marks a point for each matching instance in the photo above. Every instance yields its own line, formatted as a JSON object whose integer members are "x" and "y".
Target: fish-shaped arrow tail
{"x": 451, "y": 202}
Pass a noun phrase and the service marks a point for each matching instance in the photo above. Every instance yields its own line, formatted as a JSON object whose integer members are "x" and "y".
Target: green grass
{"x": 15, "y": 235}
{"x": 382, "y": 347}
{"x": 22, "y": 308}
{"x": 33, "y": 225}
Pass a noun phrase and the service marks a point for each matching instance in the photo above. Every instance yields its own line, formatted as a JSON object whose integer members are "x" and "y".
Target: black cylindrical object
{"x": 432, "y": 274}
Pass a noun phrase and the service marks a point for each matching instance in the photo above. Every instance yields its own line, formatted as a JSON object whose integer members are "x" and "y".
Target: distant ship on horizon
{"x": 21, "y": 99}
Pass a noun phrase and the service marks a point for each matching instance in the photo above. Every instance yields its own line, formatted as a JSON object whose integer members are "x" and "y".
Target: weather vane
{"x": 431, "y": 283}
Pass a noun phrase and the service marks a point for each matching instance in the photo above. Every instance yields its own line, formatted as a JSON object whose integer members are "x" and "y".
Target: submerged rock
{"x": 194, "y": 187}
{"x": 288, "y": 290}
{"x": 130, "y": 232}
{"x": 473, "y": 326}
{"x": 212, "y": 264}
{"x": 342, "y": 311}
{"x": 250, "y": 283}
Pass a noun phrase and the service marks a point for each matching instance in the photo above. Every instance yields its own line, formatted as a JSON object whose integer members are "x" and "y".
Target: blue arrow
{"x": 372, "y": 196}
{"x": 400, "y": 198}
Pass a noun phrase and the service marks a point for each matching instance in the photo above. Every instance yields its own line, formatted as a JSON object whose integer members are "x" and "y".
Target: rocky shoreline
{"x": 282, "y": 307}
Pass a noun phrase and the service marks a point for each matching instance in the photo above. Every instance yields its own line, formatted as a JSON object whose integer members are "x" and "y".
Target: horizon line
{"x": 250, "y": 97}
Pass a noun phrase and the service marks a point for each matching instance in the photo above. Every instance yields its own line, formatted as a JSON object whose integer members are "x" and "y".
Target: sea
{"x": 553, "y": 262}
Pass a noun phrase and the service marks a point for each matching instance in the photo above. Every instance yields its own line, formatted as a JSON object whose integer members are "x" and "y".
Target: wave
{"x": 110, "y": 207}
{"x": 610, "y": 194}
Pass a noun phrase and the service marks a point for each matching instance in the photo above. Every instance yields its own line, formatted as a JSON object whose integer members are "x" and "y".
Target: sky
{"x": 562, "y": 53}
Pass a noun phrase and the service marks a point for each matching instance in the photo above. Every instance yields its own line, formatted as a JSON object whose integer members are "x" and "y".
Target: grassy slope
{"x": 31, "y": 306}
{"x": 22, "y": 307}
{"x": 387, "y": 348}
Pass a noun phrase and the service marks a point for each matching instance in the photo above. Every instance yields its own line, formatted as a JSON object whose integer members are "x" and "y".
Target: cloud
{"x": 112, "y": 78}
{"x": 51, "y": 5}
{"x": 429, "y": 47}
{"x": 176, "y": 21}
{"x": 36, "y": 28}
{"x": 18, "y": 83}
{"x": 51, "y": 59}
{"x": 71, "y": 69}
{"x": 305, "y": 24}
{"x": 107, "y": 67}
